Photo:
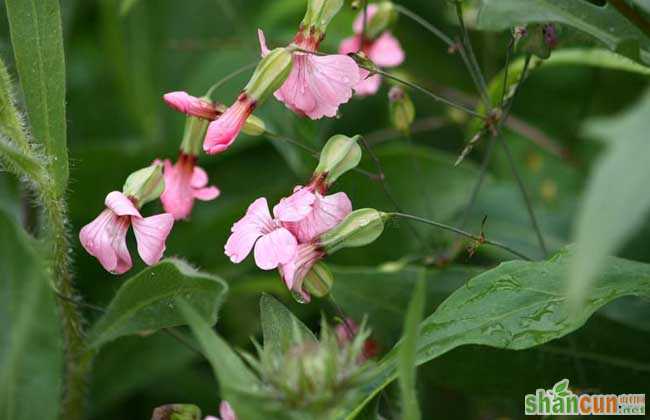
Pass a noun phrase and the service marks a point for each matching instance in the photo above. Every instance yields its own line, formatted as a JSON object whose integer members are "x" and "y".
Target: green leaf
{"x": 31, "y": 355}
{"x": 616, "y": 200}
{"x": 560, "y": 389}
{"x": 602, "y": 22}
{"x": 407, "y": 353}
{"x": 280, "y": 328}
{"x": 516, "y": 306}
{"x": 35, "y": 27}
{"x": 147, "y": 301}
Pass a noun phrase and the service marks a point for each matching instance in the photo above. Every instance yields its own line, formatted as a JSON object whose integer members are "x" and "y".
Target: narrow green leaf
{"x": 516, "y": 306}
{"x": 11, "y": 122}
{"x": 18, "y": 162}
{"x": 407, "y": 354}
{"x": 31, "y": 354}
{"x": 602, "y": 22}
{"x": 228, "y": 367}
{"x": 280, "y": 328}
{"x": 617, "y": 197}
{"x": 147, "y": 301}
{"x": 35, "y": 27}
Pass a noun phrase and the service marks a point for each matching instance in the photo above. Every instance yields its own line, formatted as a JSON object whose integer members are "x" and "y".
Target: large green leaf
{"x": 602, "y": 22}
{"x": 38, "y": 47}
{"x": 617, "y": 195}
{"x": 407, "y": 354}
{"x": 31, "y": 354}
{"x": 280, "y": 328}
{"x": 517, "y": 305}
{"x": 147, "y": 301}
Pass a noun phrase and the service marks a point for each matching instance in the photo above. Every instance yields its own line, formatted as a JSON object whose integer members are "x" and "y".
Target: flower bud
{"x": 539, "y": 39}
{"x": 177, "y": 412}
{"x": 145, "y": 185}
{"x": 254, "y": 126}
{"x": 402, "y": 110}
{"x": 339, "y": 155}
{"x": 320, "y": 13}
{"x": 381, "y": 20}
{"x": 269, "y": 75}
{"x": 359, "y": 228}
{"x": 319, "y": 280}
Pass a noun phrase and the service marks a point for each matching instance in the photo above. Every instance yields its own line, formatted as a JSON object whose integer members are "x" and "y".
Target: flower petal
{"x": 357, "y": 26}
{"x": 226, "y": 411}
{"x": 199, "y": 178}
{"x": 178, "y": 196}
{"x": 105, "y": 239}
{"x": 191, "y": 105}
{"x": 247, "y": 230}
{"x": 272, "y": 249}
{"x": 368, "y": 86}
{"x": 350, "y": 45}
{"x": 295, "y": 207}
{"x": 327, "y": 212}
{"x": 386, "y": 51}
{"x": 120, "y": 204}
{"x": 263, "y": 47}
{"x": 207, "y": 193}
{"x": 151, "y": 234}
{"x": 224, "y": 131}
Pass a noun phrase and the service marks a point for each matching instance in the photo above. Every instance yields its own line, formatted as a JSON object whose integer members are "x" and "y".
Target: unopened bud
{"x": 381, "y": 19}
{"x": 320, "y": 13}
{"x": 254, "y": 126}
{"x": 177, "y": 412}
{"x": 359, "y": 228}
{"x": 319, "y": 280}
{"x": 402, "y": 110}
{"x": 145, "y": 185}
{"x": 339, "y": 155}
{"x": 269, "y": 75}
{"x": 539, "y": 39}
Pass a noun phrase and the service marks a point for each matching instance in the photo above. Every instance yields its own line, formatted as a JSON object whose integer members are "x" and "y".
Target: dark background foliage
{"x": 120, "y": 65}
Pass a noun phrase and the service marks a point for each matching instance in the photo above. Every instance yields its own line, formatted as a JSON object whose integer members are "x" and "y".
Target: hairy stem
{"x": 479, "y": 239}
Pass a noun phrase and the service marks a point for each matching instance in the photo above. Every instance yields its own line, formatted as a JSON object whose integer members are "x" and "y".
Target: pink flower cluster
{"x": 385, "y": 51}
{"x": 288, "y": 241}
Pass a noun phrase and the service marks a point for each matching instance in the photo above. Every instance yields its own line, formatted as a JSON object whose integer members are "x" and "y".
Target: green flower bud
{"x": 339, "y": 155}
{"x": 319, "y": 280}
{"x": 381, "y": 20}
{"x": 177, "y": 412}
{"x": 145, "y": 185}
{"x": 359, "y": 228}
{"x": 270, "y": 74}
{"x": 195, "y": 129}
{"x": 254, "y": 126}
{"x": 320, "y": 13}
{"x": 402, "y": 110}
{"x": 538, "y": 39}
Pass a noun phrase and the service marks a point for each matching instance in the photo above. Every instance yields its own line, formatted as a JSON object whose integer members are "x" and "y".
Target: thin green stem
{"x": 461, "y": 232}
{"x": 229, "y": 77}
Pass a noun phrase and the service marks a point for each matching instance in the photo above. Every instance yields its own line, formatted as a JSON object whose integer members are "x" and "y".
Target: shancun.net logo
{"x": 560, "y": 400}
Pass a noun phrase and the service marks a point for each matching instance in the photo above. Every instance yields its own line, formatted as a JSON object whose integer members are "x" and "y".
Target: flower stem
{"x": 461, "y": 232}
{"x": 229, "y": 77}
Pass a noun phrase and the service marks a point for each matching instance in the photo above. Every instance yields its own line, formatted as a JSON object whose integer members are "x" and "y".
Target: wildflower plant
{"x": 460, "y": 237}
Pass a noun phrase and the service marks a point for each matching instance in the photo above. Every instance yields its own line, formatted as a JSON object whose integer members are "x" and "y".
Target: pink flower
{"x": 225, "y": 411}
{"x": 274, "y": 244}
{"x": 105, "y": 237}
{"x": 384, "y": 51}
{"x": 307, "y": 213}
{"x": 223, "y": 131}
{"x": 191, "y": 105}
{"x": 185, "y": 182}
{"x": 294, "y": 271}
{"x": 317, "y": 85}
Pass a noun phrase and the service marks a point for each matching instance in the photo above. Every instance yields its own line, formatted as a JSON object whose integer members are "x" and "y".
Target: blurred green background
{"x": 119, "y": 65}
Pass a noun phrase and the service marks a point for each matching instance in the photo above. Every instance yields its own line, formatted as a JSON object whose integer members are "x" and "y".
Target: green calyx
{"x": 339, "y": 155}
{"x": 145, "y": 185}
{"x": 320, "y": 13}
{"x": 359, "y": 228}
{"x": 269, "y": 75}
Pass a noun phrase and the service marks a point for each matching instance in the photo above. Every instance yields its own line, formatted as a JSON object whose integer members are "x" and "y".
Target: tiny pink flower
{"x": 317, "y": 85}
{"x": 294, "y": 271}
{"x": 191, "y": 105}
{"x": 185, "y": 182}
{"x": 105, "y": 237}
{"x": 223, "y": 131}
{"x": 307, "y": 213}
{"x": 274, "y": 244}
{"x": 384, "y": 51}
